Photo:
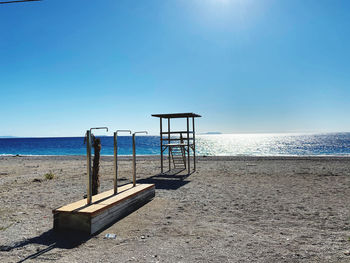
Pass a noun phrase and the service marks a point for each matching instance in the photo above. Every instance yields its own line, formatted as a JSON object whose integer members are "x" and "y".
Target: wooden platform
{"x": 105, "y": 209}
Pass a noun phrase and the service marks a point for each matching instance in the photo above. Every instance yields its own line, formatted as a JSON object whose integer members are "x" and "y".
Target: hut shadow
{"x": 51, "y": 239}
{"x": 170, "y": 180}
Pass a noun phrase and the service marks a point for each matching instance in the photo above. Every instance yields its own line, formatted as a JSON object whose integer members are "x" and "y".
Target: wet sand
{"x": 233, "y": 209}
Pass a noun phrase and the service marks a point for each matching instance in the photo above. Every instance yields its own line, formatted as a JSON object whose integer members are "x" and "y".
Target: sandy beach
{"x": 233, "y": 209}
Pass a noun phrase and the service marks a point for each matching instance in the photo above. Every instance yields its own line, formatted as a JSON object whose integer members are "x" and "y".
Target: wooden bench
{"x": 105, "y": 208}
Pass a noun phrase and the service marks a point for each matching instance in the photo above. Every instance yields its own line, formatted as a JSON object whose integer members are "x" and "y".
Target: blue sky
{"x": 247, "y": 66}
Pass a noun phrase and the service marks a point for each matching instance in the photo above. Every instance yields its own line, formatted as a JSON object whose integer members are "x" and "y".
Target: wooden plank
{"x": 161, "y": 145}
{"x": 176, "y": 139}
{"x": 78, "y": 222}
{"x": 175, "y": 132}
{"x": 177, "y": 115}
{"x": 120, "y": 210}
{"x": 122, "y": 205}
{"x": 82, "y": 203}
{"x": 188, "y": 147}
{"x": 176, "y": 144}
{"x": 120, "y": 198}
{"x": 101, "y": 203}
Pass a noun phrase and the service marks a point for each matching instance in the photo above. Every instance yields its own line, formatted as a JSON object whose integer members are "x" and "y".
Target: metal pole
{"x": 169, "y": 142}
{"x": 115, "y": 163}
{"x": 89, "y": 175}
{"x": 116, "y": 159}
{"x": 161, "y": 145}
{"x": 134, "y": 157}
{"x": 133, "y": 161}
{"x": 188, "y": 145}
{"x": 194, "y": 145}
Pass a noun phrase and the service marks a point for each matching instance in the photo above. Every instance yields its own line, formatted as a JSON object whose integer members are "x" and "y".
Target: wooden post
{"x": 188, "y": 145}
{"x": 194, "y": 145}
{"x": 96, "y": 165}
{"x": 161, "y": 145}
{"x": 88, "y": 166}
{"x": 169, "y": 143}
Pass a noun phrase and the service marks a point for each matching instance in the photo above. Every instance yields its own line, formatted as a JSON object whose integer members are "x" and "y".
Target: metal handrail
{"x": 99, "y": 128}
{"x": 116, "y": 159}
{"x": 134, "y": 156}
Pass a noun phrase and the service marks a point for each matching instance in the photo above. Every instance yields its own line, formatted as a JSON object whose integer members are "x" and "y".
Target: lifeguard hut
{"x": 178, "y": 143}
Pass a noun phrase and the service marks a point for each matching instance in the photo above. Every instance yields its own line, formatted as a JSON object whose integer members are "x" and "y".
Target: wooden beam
{"x": 169, "y": 139}
{"x": 161, "y": 145}
{"x": 176, "y": 139}
{"x": 188, "y": 146}
{"x": 194, "y": 145}
{"x": 177, "y": 115}
{"x": 175, "y": 132}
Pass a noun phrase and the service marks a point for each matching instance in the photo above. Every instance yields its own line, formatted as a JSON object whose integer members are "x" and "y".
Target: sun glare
{"x": 217, "y": 14}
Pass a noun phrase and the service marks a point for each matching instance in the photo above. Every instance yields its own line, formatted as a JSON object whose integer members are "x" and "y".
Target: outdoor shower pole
{"x": 89, "y": 175}
{"x": 116, "y": 159}
{"x": 115, "y": 163}
{"x": 134, "y": 157}
{"x": 133, "y": 161}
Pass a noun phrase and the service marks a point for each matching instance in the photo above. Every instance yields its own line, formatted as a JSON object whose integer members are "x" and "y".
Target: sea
{"x": 281, "y": 144}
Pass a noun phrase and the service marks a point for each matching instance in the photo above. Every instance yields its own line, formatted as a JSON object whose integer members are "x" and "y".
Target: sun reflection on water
{"x": 273, "y": 144}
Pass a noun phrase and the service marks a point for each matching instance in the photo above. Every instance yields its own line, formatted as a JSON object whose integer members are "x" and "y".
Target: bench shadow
{"x": 51, "y": 239}
{"x": 62, "y": 239}
{"x": 170, "y": 180}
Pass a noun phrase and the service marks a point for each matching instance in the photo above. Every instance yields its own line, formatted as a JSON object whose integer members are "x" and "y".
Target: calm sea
{"x": 337, "y": 144}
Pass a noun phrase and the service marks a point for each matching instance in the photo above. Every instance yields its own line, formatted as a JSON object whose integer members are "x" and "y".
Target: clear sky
{"x": 245, "y": 65}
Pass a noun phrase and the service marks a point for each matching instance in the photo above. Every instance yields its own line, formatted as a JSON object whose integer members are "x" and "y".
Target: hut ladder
{"x": 178, "y": 154}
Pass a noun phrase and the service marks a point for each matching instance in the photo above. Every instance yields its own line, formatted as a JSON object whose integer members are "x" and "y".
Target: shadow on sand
{"x": 170, "y": 180}
{"x": 51, "y": 239}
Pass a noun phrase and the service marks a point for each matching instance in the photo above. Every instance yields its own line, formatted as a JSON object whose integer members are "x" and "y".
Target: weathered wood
{"x": 176, "y": 139}
{"x": 176, "y": 144}
{"x": 169, "y": 150}
{"x": 115, "y": 213}
{"x": 82, "y": 203}
{"x": 194, "y": 145}
{"x": 105, "y": 209}
{"x": 190, "y": 141}
{"x": 175, "y": 132}
{"x": 176, "y": 115}
{"x": 188, "y": 147}
{"x": 96, "y": 165}
{"x": 161, "y": 145}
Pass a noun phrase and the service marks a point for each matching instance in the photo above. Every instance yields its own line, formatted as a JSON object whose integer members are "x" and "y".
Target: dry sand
{"x": 233, "y": 209}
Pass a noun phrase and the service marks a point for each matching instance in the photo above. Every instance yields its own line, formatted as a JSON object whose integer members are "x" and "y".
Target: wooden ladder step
{"x": 178, "y": 155}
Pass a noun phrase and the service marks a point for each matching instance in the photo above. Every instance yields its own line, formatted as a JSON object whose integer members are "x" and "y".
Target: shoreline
{"x": 203, "y": 157}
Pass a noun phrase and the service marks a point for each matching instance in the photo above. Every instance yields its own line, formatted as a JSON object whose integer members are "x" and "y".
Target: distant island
{"x": 209, "y": 133}
{"x": 4, "y": 137}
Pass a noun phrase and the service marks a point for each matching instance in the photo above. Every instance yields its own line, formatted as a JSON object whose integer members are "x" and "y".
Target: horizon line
{"x": 201, "y": 133}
